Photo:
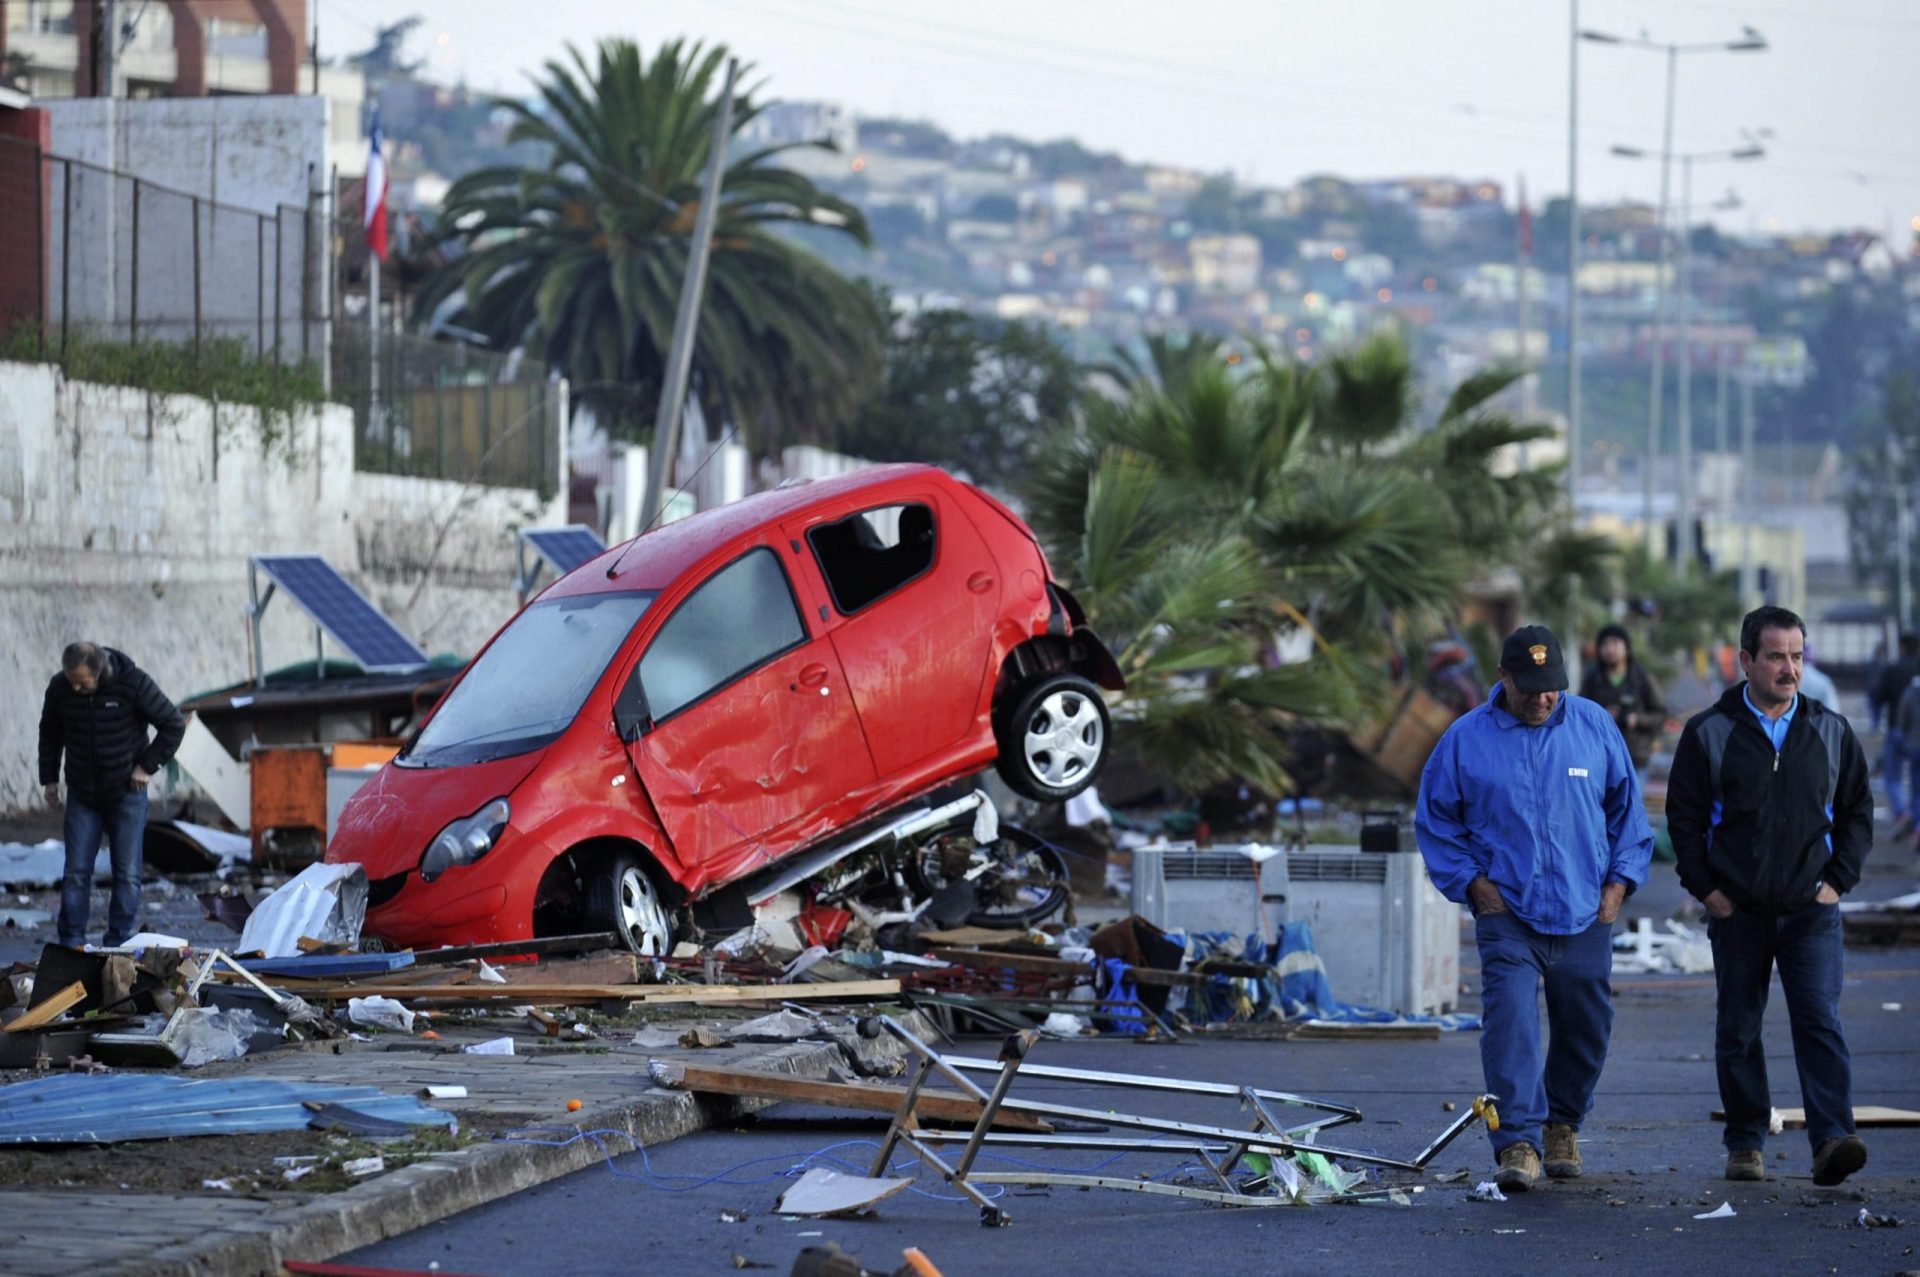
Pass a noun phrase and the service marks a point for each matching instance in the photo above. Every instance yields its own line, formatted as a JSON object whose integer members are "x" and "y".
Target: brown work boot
{"x": 1745, "y": 1164}
{"x": 1562, "y": 1152}
{"x": 1519, "y": 1168}
{"x": 1836, "y": 1159}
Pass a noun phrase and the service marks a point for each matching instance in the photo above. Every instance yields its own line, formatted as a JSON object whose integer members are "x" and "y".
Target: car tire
{"x": 1054, "y": 738}
{"x": 624, "y": 897}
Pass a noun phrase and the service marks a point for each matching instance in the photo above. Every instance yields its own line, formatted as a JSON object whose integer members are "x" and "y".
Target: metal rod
{"x": 673, "y": 391}
{"x": 133, "y": 280}
{"x": 1145, "y": 1082}
{"x": 196, "y": 279}
{"x": 260, "y": 284}
{"x": 1573, "y": 259}
{"x": 279, "y": 266}
{"x": 66, "y": 250}
{"x": 1656, "y": 400}
{"x": 1683, "y": 546}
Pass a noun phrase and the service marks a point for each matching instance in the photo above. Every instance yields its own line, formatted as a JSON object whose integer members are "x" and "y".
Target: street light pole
{"x": 1751, "y": 42}
{"x": 1683, "y": 547}
{"x": 1573, "y": 260}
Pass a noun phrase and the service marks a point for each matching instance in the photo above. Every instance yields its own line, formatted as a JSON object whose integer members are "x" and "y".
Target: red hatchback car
{"x": 720, "y": 693}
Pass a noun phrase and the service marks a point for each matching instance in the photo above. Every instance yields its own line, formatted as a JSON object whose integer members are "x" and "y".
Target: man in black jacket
{"x": 98, "y": 710}
{"x": 1771, "y": 821}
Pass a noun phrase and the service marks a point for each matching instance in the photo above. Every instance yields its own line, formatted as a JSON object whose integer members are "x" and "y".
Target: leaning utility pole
{"x": 673, "y": 391}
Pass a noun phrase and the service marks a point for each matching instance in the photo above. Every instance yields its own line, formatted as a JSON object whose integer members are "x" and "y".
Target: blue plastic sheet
{"x": 83, "y": 1108}
{"x": 1298, "y": 989}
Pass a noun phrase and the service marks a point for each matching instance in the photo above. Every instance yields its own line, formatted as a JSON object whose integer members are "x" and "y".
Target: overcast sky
{"x": 1279, "y": 89}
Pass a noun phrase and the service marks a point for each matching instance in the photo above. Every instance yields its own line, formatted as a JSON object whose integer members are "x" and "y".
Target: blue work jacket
{"x": 1549, "y": 814}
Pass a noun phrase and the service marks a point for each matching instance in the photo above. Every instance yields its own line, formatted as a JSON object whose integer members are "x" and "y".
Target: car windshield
{"x": 528, "y": 685}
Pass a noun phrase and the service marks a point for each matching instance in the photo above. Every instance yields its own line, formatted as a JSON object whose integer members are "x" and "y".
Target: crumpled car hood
{"x": 389, "y": 822}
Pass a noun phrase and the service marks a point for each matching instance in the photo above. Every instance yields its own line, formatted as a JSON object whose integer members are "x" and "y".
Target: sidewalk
{"x": 105, "y": 1230}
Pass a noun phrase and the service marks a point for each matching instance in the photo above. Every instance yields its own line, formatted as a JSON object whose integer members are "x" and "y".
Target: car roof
{"x": 656, "y": 558}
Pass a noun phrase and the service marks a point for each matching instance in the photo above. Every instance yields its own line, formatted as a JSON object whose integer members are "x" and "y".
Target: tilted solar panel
{"x": 565, "y": 548}
{"x": 342, "y": 611}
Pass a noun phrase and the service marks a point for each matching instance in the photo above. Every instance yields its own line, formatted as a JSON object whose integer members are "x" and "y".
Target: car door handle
{"x": 813, "y": 675}
{"x": 980, "y": 582}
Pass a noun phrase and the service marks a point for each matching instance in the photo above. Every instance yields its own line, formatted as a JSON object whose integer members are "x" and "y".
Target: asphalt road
{"x": 1653, "y": 1158}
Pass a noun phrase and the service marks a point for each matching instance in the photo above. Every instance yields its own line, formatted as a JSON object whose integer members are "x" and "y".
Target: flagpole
{"x": 373, "y": 339}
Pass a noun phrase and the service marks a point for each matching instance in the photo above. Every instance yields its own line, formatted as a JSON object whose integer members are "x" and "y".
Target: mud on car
{"x": 692, "y": 708}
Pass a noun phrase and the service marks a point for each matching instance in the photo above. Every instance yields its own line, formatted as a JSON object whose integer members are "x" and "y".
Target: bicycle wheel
{"x": 1025, "y": 881}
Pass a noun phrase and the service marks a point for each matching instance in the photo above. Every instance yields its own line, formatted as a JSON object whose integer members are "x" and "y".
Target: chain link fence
{"x": 99, "y": 268}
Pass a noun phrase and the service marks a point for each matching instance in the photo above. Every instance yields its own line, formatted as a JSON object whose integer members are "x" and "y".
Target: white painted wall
{"x": 247, "y": 157}
{"x": 127, "y": 518}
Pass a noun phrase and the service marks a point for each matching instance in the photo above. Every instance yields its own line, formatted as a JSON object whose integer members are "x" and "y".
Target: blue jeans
{"x": 124, "y": 825}
{"x": 1805, "y": 945}
{"x": 1893, "y": 770}
{"x": 1577, "y": 970}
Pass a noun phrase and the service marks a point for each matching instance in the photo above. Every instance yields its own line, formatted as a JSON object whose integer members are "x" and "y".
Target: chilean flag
{"x": 376, "y": 210}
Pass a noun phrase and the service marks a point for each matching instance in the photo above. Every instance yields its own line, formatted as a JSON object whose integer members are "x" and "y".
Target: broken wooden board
{"x": 651, "y": 994}
{"x": 821, "y": 1192}
{"x": 1032, "y": 964}
{"x": 1343, "y": 1031}
{"x": 930, "y": 1106}
{"x": 599, "y": 968}
{"x": 50, "y": 1009}
{"x": 518, "y": 948}
{"x": 1864, "y": 1115}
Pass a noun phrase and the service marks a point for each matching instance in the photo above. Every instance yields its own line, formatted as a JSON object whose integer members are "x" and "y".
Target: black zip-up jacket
{"x": 1756, "y": 825}
{"x": 105, "y": 734}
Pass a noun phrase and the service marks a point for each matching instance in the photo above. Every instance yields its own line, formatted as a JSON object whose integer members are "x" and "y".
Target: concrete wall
{"x": 250, "y": 161}
{"x": 127, "y": 518}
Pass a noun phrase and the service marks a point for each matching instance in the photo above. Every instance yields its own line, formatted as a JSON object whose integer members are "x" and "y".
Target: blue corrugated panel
{"x": 82, "y": 1108}
{"x": 330, "y": 966}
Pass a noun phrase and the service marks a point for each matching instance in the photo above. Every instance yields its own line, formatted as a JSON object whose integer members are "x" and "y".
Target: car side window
{"x": 867, "y": 556}
{"x": 739, "y": 618}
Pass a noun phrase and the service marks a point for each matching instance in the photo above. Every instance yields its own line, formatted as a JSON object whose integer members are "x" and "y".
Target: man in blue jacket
{"x": 1530, "y": 814}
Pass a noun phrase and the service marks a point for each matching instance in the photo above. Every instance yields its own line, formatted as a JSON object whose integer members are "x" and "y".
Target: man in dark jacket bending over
{"x": 1771, "y": 822}
{"x": 97, "y": 710}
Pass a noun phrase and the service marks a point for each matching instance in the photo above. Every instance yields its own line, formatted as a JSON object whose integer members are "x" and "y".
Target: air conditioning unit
{"x": 1386, "y": 937}
{"x": 1240, "y": 889}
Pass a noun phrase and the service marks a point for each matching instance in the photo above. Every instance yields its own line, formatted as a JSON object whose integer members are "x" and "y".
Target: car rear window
{"x": 740, "y": 617}
{"x": 530, "y": 682}
{"x": 867, "y": 556}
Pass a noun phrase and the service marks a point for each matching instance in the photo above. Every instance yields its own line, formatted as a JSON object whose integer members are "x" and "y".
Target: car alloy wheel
{"x": 625, "y": 899}
{"x": 1053, "y": 743}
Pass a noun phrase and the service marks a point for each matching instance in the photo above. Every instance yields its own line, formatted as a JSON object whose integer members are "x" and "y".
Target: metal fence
{"x": 122, "y": 259}
{"x": 91, "y": 255}
{"x": 450, "y": 411}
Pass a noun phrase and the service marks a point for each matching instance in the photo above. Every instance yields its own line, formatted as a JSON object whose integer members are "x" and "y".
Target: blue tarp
{"x": 1298, "y": 989}
{"x": 84, "y": 1108}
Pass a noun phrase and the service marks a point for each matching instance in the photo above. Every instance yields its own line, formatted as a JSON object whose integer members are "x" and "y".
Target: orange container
{"x": 289, "y": 788}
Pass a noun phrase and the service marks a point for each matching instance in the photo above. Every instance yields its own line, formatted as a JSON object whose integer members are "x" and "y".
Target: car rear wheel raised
{"x": 623, "y": 897}
{"x": 1054, "y": 739}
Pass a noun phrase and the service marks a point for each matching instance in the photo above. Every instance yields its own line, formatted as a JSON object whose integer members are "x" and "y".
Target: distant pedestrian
{"x": 1815, "y": 683}
{"x": 97, "y": 711}
{"x": 1530, "y": 813}
{"x": 1885, "y": 694}
{"x": 1772, "y": 819}
{"x": 1622, "y": 686}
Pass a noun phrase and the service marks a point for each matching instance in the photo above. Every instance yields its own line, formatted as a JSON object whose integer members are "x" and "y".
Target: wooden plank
{"x": 651, "y": 994}
{"x": 600, "y": 968}
{"x": 1340, "y": 1031}
{"x": 946, "y": 1108}
{"x": 54, "y": 1006}
{"x": 1863, "y": 1115}
{"x": 519, "y": 948}
{"x": 1033, "y": 964}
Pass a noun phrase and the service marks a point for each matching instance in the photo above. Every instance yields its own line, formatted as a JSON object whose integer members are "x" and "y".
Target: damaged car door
{"x": 739, "y": 723}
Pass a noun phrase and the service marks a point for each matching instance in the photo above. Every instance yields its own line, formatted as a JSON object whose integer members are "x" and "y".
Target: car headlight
{"x": 465, "y": 840}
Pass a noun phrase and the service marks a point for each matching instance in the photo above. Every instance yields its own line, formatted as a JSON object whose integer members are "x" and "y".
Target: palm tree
{"x": 582, "y": 259}
{"x": 1213, "y": 510}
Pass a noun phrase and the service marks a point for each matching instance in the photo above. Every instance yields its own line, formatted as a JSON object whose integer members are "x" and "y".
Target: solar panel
{"x": 342, "y": 611}
{"x": 565, "y": 548}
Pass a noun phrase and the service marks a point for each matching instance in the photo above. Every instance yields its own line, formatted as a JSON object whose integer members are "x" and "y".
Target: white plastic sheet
{"x": 324, "y": 902}
{"x": 380, "y": 1013}
{"x": 44, "y": 864}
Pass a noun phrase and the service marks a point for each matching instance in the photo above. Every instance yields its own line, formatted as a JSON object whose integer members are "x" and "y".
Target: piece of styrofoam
{"x": 217, "y": 773}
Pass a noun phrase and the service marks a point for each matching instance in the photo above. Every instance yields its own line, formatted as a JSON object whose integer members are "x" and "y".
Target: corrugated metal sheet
{"x": 81, "y": 1108}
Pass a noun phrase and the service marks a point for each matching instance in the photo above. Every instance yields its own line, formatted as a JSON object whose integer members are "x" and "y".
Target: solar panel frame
{"x": 342, "y": 612}
{"x": 550, "y": 544}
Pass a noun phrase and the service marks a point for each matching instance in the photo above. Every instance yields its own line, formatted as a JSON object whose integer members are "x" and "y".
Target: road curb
{"x": 446, "y": 1184}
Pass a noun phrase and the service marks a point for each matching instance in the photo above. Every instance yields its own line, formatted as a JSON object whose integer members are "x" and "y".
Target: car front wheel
{"x": 623, "y": 898}
{"x": 1054, "y": 739}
